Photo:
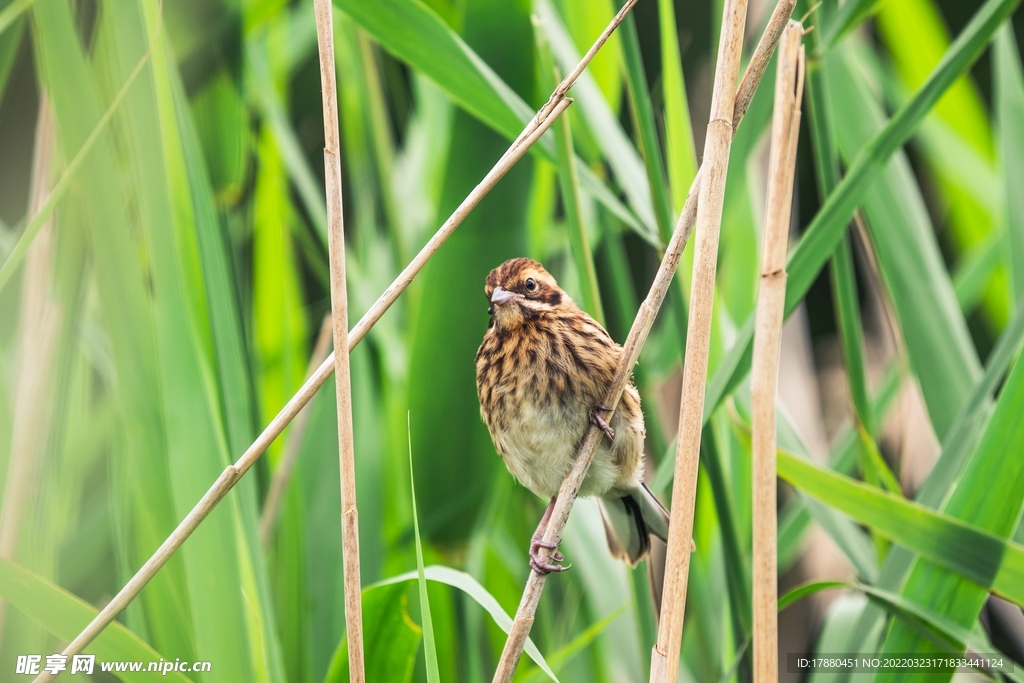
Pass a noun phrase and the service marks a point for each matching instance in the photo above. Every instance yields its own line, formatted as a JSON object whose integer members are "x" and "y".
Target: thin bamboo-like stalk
{"x": 641, "y": 327}
{"x": 339, "y": 315}
{"x": 535, "y": 128}
{"x": 38, "y": 325}
{"x": 665, "y": 657}
{"x": 283, "y": 474}
{"x": 771, "y": 301}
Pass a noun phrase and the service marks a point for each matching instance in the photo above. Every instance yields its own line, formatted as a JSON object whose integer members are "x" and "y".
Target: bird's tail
{"x": 630, "y": 522}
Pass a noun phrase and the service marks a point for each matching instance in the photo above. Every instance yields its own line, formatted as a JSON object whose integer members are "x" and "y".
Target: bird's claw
{"x": 596, "y": 418}
{"x": 542, "y": 566}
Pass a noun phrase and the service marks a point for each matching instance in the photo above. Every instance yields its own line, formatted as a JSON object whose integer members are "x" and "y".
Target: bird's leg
{"x": 595, "y": 417}
{"x": 539, "y": 564}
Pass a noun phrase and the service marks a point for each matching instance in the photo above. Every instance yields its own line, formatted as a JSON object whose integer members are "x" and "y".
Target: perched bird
{"x": 541, "y": 373}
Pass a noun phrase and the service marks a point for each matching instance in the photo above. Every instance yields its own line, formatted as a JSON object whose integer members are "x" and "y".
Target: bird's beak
{"x": 500, "y": 296}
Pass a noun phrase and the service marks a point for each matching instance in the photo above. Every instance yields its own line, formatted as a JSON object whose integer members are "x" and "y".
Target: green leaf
{"x": 57, "y": 193}
{"x": 846, "y": 535}
{"x": 916, "y": 38}
{"x": 565, "y": 654}
{"x": 849, "y": 16}
{"x": 957, "y": 449}
{"x": 953, "y": 636}
{"x": 873, "y": 460}
{"x": 12, "y": 13}
{"x": 1009, "y": 107}
{"x": 471, "y": 587}
{"x": 390, "y": 637}
{"x": 844, "y": 284}
{"x": 623, "y": 158}
{"x": 679, "y": 149}
{"x": 429, "y": 644}
{"x": 122, "y": 288}
{"x": 970, "y": 551}
{"x": 975, "y": 271}
{"x": 10, "y": 43}
{"x": 65, "y": 615}
{"x": 568, "y": 182}
{"x": 412, "y": 32}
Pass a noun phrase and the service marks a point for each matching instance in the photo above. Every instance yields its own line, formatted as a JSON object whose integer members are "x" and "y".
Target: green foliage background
{"x": 186, "y": 279}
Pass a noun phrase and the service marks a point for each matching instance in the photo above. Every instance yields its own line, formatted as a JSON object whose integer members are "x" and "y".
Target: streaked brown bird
{"x": 541, "y": 373}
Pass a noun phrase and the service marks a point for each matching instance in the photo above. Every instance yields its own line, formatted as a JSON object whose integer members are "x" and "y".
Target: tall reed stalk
{"x": 339, "y": 315}
{"x": 767, "y": 341}
{"x": 665, "y": 657}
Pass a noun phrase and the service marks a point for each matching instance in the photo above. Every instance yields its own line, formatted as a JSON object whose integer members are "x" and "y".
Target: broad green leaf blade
{"x": 1009, "y": 93}
{"x": 390, "y": 636}
{"x": 970, "y": 551}
{"x": 471, "y": 587}
{"x": 12, "y": 13}
{"x": 415, "y": 34}
{"x": 988, "y": 495}
{"x": 65, "y": 615}
{"x": 954, "y": 636}
{"x": 199, "y": 351}
{"x": 958, "y": 447}
{"x": 122, "y": 289}
{"x": 412, "y": 32}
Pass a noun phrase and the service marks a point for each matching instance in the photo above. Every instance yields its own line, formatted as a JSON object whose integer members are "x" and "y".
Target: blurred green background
{"x": 166, "y": 304}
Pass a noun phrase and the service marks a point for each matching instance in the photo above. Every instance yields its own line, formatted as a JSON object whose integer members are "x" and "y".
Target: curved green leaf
{"x": 471, "y": 587}
{"x": 64, "y": 615}
{"x": 415, "y": 34}
{"x": 982, "y": 557}
{"x": 390, "y": 636}
{"x": 953, "y": 635}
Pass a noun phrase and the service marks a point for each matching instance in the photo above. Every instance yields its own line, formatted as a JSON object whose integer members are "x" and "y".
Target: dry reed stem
{"x": 339, "y": 315}
{"x": 767, "y": 341}
{"x": 292, "y": 447}
{"x": 39, "y": 322}
{"x": 665, "y": 654}
{"x": 641, "y": 327}
{"x": 533, "y": 131}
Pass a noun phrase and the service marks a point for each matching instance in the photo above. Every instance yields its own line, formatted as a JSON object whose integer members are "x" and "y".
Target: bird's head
{"x": 519, "y": 290}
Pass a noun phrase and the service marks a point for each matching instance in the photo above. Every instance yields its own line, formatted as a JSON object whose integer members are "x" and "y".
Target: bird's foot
{"x": 542, "y": 566}
{"x": 595, "y": 417}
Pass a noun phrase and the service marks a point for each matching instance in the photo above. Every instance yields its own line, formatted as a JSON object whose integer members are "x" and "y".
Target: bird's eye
{"x": 531, "y": 284}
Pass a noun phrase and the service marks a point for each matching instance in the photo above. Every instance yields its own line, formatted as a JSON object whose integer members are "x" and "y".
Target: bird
{"x": 542, "y": 371}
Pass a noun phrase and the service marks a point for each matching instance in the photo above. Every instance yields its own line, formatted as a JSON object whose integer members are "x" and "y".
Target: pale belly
{"x": 539, "y": 445}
